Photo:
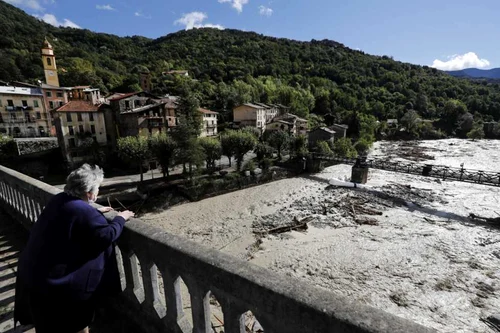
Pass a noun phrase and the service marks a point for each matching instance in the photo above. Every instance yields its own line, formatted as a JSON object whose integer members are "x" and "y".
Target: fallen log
{"x": 298, "y": 226}
{"x": 495, "y": 220}
{"x": 367, "y": 211}
{"x": 366, "y": 220}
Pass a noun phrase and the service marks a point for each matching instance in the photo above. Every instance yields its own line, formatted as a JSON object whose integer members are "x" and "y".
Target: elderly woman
{"x": 69, "y": 262}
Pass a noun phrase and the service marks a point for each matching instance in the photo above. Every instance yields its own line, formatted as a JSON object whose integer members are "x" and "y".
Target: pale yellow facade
{"x": 23, "y": 113}
{"x": 249, "y": 115}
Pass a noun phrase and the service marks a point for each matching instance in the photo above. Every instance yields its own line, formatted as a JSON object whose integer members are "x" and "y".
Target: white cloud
{"x": 104, "y": 7}
{"x": 141, "y": 14}
{"x": 195, "y": 20}
{"x": 31, "y": 4}
{"x": 458, "y": 62}
{"x": 52, "y": 20}
{"x": 265, "y": 11}
{"x": 236, "y": 4}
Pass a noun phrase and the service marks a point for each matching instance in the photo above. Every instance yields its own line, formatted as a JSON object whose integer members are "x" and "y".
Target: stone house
{"x": 321, "y": 134}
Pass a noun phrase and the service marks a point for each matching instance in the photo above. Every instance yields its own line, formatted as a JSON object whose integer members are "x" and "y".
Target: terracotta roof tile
{"x": 79, "y": 106}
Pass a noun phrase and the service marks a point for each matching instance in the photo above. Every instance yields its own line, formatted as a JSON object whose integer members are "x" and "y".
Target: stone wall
{"x": 36, "y": 145}
{"x": 147, "y": 255}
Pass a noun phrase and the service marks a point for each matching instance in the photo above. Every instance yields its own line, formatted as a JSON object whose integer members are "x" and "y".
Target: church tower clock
{"x": 49, "y": 64}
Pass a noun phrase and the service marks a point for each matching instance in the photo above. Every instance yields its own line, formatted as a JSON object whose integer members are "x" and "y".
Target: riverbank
{"x": 423, "y": 259}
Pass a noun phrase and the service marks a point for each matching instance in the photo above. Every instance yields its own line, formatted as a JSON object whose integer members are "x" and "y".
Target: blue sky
{"x": 448, "y": 34}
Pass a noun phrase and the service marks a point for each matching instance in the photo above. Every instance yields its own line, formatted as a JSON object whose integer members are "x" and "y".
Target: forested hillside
{"x": 320, "y": 77}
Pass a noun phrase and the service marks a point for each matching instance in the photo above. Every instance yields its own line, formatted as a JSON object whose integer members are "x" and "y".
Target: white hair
{"x": 83, "y": 180}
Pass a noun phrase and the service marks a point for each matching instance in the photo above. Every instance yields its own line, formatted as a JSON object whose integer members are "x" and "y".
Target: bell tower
{"x": 49, "y": 64}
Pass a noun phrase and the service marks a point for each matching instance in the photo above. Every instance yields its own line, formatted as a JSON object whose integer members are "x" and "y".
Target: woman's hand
{"x": 105, "y": 209}
{"x": 127, "y": 214}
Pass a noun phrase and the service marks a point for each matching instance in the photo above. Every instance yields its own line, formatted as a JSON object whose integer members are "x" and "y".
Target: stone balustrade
{"x": 150, "y": 259}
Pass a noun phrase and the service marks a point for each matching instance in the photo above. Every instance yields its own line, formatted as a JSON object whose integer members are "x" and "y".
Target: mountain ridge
{"x": 231, "y": 67}
{"x": 493, "y": 73}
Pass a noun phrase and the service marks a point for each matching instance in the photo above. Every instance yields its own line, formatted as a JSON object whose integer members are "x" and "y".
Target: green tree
{"x": 252, "y": 130}
{"x": 212, "y": 149}
{"x": 8, "y": 148}
{"x": 263, "y": 151}
{"x": 477, "y": 131}
{"x": 135, "y": 150}
{"x": 410, "y": 121}
{"x": 362, "y": 146}
{"x": 323, "y": 148}
{"x": 279, "y": 140}
{"x": 163, "y": 148}
{"x": 243, "y": 143}
{"x": 227, "y": 144}
{"x": 299, "y": 146}
{"x": 343, "y": 147}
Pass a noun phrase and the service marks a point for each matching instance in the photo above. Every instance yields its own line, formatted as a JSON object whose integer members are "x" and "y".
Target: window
{"x": 51, "y": 105}
{"x": 27, "y": 117}
{"x": 38, "y": 115}
{"x": 25, "y": 103}
{"x": 13, "y": 116}
{"x": 48, "y": 94}
{"x": 59, "y": 94}
{"x": 79, "y": 117}
{"x": 10, "y": 102}
{"x": 80, "y": 128}
{"x": 41, "y": 130}
{"x": 35, "y": 103}
{"x": 92, "y": 129}
{"x": 71, "y": 130}
{"x": 68, "y": 117}
{"x": 49, "y": 61}
{"x": 127, "y": 105}
{"x": 61, "y": 103}
{"x": 1, "y": 120}
{"x": 91, "y": 116}
{"x": 71, "y": 143}
{"x": 0, "y": 102}
{"x": 95, "y": 139}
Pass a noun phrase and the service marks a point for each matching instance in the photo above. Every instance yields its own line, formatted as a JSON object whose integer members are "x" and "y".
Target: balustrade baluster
{"x": 200, "y": 306}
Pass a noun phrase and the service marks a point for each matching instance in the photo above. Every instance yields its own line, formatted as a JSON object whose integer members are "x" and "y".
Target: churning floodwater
{"x": 407, "y": 246}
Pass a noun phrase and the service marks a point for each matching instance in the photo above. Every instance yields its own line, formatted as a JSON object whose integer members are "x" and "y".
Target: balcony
{"x": 18, "y": 108}
{"x": 153, "y": 265}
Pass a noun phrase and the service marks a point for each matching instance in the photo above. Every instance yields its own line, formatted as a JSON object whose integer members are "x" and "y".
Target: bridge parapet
{"x": 147, "y": 255}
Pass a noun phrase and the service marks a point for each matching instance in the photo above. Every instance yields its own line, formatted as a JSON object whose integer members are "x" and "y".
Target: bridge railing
{"x": 148, "y": 256}
{"x": 429, "y": 170}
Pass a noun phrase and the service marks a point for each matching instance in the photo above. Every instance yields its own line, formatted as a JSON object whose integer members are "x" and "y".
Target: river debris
{"x": 494, "y": 220}
{"x": 299, "y": 225}
{"x": 493, "y": 322}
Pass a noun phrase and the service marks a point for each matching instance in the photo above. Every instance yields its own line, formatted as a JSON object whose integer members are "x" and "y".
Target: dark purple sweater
{"x": 70, "y": 253}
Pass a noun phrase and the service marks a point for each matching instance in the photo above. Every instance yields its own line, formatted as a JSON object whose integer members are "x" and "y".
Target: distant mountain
{"x": 493, "y": 73}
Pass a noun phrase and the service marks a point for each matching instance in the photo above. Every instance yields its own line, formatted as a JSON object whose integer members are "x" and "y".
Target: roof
{"x": 142, "y": 108}
{"x": 263, "y": 105}
{"x": 49, "y": 86}
{"x": 291, "y": 116}
{"x": 180, "y": 71}
{"x": 81, "y": 87}
{"x": 340, "y": 126}
{"x": 122, "y": 96}
{"x": 281, "y": 122}
{"x": 250, "y": 105}
{"x": 46, "y": 44}
{"x": 79, "y": 106}
{"x": 20, "y": 91}
{"x": 205, "y": 111}
{"x": 22, "y": 84}
{"x": 325, "y": 129}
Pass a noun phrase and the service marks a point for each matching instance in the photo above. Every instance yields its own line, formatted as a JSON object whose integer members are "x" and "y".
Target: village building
{"x": 79, "y": 122}
{"x": 23, "y": 112}
{"x": 320, "y": 134}
{"x": 290, "y": 123}
{"x": 257, "y": 115}
{"x": 340, "y": 130}
{"x": 209, "y": 123}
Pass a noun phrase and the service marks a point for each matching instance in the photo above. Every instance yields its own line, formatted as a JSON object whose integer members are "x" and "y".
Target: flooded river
{"x": 407, "y": 246}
